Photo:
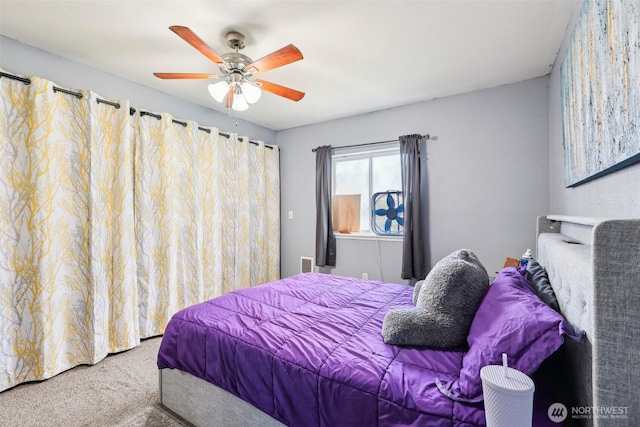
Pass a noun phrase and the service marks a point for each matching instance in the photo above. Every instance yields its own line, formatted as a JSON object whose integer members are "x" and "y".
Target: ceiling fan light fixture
{"x": 219, "y": 90}
{"x": 239, "y": 102}
{"x": 251, "y": 92}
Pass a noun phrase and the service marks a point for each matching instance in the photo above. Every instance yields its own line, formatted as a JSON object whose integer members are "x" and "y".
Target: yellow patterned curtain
{"x": 207, "y": 216}
{"x": 112, "y": 267}
{"x": 258, "y": 252}
{"x": 168, "y": 225}
{"x": 67, "y": 248}
{"x": 110, "y": 223}
{"x": 257, "y": 217}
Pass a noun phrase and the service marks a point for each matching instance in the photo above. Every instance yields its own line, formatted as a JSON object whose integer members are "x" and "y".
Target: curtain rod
{"x": 426, "y": 136}
{"x": 117, "y": 106}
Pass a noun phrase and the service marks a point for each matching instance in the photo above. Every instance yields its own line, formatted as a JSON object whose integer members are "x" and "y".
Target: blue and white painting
{"x": 600, "y": 91}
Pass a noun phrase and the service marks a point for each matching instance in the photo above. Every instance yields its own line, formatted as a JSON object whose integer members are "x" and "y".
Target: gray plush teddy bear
{"x": 446, "y": 303}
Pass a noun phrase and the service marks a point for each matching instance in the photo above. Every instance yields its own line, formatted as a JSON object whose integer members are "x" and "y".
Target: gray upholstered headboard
{"x": 594, "y": 268}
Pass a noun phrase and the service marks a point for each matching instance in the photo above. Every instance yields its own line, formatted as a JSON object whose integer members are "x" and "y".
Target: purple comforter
{"x": 308, "y": 351}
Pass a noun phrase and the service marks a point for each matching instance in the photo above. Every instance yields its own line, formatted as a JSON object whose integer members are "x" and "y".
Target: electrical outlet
{"x": 365, "y": 276}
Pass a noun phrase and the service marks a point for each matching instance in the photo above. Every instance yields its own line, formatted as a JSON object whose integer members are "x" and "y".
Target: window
{"x": 357, "y": 176}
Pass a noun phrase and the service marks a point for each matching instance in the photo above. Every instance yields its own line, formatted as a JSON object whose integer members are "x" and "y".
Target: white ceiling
{"x": 359, "y": 56}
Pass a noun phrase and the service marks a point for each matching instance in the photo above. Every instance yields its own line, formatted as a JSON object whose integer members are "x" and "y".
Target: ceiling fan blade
{"x": 190, "y": 37}
{"x": 185, "y": 76}
{"x": 292, "y": 94}
{"x": 229, "y": 98}
{"x": 284, "y": 56}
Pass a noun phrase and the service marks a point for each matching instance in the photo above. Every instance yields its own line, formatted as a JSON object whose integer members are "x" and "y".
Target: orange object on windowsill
{"x": 511, "y": 262}
{"x": 346, "y": 213}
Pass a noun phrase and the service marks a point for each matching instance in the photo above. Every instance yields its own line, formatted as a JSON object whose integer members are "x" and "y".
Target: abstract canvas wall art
{"x": 600, "y": 91}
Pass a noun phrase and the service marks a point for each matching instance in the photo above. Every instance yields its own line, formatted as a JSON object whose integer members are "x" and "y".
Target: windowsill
{"x": 367, "y": 236}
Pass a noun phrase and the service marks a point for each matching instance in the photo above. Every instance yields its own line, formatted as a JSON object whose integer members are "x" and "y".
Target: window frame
{"x": 358, "y": 153}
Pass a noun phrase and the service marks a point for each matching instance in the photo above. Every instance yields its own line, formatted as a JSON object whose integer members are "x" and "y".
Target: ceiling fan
{"x": 238, "y": 82}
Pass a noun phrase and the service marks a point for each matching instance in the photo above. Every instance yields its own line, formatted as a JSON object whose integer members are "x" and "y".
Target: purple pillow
{"x": 511, "y": 319}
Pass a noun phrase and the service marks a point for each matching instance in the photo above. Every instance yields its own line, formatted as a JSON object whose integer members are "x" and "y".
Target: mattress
{"x": 308, "y": 350}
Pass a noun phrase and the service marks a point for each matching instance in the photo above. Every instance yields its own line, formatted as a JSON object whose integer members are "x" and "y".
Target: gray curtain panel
{"x": 415, "y": 241}
{"x": 325, "y": 240}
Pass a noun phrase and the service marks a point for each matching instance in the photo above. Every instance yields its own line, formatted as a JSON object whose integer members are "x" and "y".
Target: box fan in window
{"x": 387, "y": 213}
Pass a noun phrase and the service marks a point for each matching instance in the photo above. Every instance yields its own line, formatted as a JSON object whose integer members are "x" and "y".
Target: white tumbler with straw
{"x": 508, "y": 396}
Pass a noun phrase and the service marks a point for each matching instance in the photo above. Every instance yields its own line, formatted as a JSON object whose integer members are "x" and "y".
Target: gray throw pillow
{"x": 416, "y": 290}
{"x": 537, "y": 275}
{"x": 445, "y": 305}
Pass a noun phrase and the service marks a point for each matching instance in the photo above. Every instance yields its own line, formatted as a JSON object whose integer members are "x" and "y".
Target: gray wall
{"x": 614, "y": 195}
{"x": 19, "y": 58}
{"x": 488, "y": 177}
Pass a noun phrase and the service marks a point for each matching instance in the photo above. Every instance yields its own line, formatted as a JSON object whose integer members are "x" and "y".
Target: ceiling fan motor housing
{"x": 237, "y": 61}
{"x": 235, "y": 40}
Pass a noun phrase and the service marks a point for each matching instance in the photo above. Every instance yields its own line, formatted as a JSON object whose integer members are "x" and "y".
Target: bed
{"x": 228, "y": 362}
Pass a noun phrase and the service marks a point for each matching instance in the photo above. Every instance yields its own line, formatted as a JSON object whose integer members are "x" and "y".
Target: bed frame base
{"x": 205, "y": 405}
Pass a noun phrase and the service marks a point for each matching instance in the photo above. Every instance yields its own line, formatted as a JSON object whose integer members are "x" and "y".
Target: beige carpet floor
{"x": 153, "y": 416}
{"x": 121, "y": 390}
